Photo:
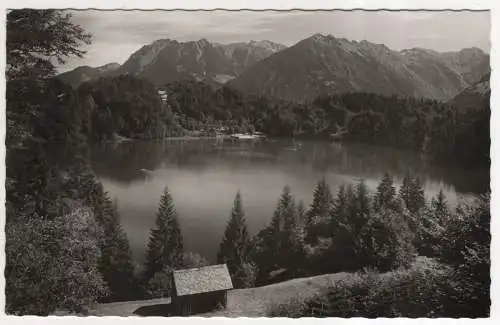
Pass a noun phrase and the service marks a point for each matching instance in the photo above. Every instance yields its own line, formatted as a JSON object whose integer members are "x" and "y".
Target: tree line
{"x": 458, "y": 286}
{"x": 423, "y": 125}
{"x": 130, "y": 107}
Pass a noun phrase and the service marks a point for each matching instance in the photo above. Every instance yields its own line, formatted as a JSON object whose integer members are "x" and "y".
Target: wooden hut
{"x": 200, "y": 289}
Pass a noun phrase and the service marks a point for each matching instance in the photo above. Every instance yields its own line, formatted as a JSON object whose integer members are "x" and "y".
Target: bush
{"x": 245, "y": 275}
{"x": 465, "y": 246}
{"x": 52, "y": 264}
{"x": 192, "y": 260}
{"x": 160, "y": 285}
{"x": 385, "y": 242}
{"x": 401, "y": 293}
{"x": 296, "y": 307}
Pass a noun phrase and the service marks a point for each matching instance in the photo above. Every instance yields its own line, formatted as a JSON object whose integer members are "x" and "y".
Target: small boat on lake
{"x": 247, "y": 136}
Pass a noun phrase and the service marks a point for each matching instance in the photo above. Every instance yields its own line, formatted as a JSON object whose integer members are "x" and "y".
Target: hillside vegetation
{"x": 260, "y": 301}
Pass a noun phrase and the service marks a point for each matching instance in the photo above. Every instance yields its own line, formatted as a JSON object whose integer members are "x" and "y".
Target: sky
{"x": 118, "y": 34}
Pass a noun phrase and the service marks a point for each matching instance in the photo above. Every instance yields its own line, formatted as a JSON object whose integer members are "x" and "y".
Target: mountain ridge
{"x": 317, "y": 65}
{"x": 167, "y": 60}
{"x": 323, "y": 64}
{"x": 85, "y": 73}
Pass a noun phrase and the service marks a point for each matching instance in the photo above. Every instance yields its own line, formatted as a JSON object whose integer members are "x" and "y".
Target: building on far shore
{"x": 200, "y": 289}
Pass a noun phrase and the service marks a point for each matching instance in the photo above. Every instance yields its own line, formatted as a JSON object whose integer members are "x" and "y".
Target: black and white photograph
{"x": 247, "y": 163}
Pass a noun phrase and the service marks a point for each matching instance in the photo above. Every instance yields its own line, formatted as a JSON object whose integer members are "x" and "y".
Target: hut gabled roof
{"x": 202, "y": 279}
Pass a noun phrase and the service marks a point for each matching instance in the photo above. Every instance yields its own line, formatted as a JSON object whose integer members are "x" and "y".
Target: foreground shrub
{"x": 245, "y": 275}
{"x": 385, "y": 242}
{"x": 382, "y": 241}
{"x": 52, "y": 264}
{"x": 160, "y": 285}
{"x": 192, "y": 260}
{"x": 465, "y": 246}
{"x": 294, "y": 308}
{"x": 414, "y": 293}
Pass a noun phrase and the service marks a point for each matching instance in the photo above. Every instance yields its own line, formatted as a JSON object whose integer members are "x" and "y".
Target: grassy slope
{"x": 252, "y": 302}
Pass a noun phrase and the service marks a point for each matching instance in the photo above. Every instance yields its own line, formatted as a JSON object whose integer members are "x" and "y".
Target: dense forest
{"x": 130, "y": 107}
{"x": 66, "y": 248}
{"x": 426, "y": 126}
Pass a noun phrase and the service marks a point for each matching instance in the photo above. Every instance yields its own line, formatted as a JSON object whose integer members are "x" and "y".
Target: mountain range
{"x": 320, "y": 64}
{"x": 165, "y": 61}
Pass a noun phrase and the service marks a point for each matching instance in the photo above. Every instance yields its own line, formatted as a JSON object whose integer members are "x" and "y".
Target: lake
{"x": 204, "y": 175}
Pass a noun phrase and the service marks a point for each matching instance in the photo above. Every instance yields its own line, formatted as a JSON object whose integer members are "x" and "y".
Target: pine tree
{"x": 405, "y": 191}
{"x": 338, "y": 213}
{"x": 115, "y": 262}
{"x": 301, "y": 213}
{"x": 412, "y": 193}
{"x": 343, "y": 230}
{"x": 361, "y": 203}
{"x": 352, "y": 207}
{"x": 384, "y": 198}
{"x": 282, "y": 226}
{"x": 384, "y": 242}
{"x": 440, "y": 207}
{"x": 234, "y": 247}
{"x": 322, "y": 203}
{"x": 165, "y": 247}
{"x": 419, "y": 196}
{"x": 431, "y": 224}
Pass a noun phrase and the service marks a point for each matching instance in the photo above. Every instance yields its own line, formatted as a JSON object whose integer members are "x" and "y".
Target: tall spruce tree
{"x": 440, "y": 207}
{"x": 419, "y": 195}
{"x": 412, "y": 193}
{"x": 301, "y": 213}
{"x": 431, "y": 226}
{"x": 282, "y": 226}
{"x": 234, "y": 247}
{"x": 359, "y": 206}
{"x": 115, "y": 262}
{"x": 322, "y": 203}
{"x": 338, "y": 213}
{"x": 405, "y": 191}
{"x": 344, "y": 232}
{"x": 165, "y": 246}
{"x": 386, "y": 193}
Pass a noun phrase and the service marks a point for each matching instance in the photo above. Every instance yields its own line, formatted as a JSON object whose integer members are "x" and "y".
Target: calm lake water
{"x": 204, "y": 176}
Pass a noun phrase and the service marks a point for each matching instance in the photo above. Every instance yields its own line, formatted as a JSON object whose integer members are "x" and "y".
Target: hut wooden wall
{"x": 199, "y": 303}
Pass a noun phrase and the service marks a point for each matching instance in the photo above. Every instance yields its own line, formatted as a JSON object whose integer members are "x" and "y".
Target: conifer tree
{"x": 269, "y": 250}
{"x": 361, "y": 202}
{"x": 419, "y": 196}
{"x": 282, "y": 227}
{"x": 301, "y": 213}
{"x": 322, "y": 203}
{"x": 352, "y": 207}
{"x": 338, "y": 214}
{"x": 234, "y": 247}
{"x": 440, "y": 207}
{"x": 384, "y": 198}
{"x": 431, "y": 225}
{"x": 343, "y": 229}
{"x": 165, "y": 247}
{"x": 405, "y": 191}
{"x": 115, "y": 262}
{"x": 412, "y": 193}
